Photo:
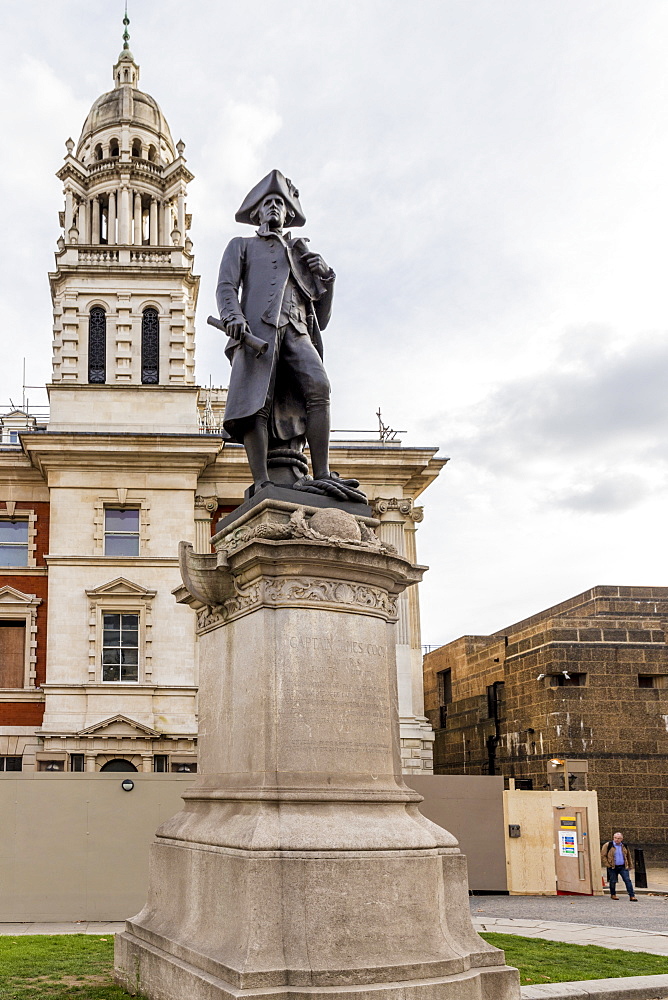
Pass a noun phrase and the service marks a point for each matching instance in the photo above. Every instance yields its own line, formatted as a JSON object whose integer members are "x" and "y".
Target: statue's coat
{"x": 259, "y": 267}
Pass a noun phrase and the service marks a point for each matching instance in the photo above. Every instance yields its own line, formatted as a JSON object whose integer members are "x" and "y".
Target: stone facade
{"x": 131, "y": 438}
{"x": 584, "y": 684}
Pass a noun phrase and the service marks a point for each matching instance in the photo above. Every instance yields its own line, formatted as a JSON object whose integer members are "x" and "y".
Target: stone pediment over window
{"x": 12, "y": 597}
{"x": 119, "y": 725}
{"x": 120, "y": 587}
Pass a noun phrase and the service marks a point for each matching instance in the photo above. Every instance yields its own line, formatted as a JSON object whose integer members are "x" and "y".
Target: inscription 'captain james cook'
{"x": 328, "y": 644}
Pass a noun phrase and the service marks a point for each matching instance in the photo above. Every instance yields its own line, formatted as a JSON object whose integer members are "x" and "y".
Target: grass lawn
{"x": 58, "y": 966}
{"x": 61, "y": 967}
{"x": 554, "y": 962}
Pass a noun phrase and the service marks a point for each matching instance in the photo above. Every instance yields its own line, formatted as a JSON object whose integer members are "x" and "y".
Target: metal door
{"x": 571, "y": 851}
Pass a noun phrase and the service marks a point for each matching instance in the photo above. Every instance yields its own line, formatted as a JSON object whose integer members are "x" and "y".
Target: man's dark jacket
{"x": 259, "y": 266}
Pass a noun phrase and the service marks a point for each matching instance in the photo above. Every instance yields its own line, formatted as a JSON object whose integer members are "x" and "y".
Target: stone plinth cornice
{"x": 273, "y": 557}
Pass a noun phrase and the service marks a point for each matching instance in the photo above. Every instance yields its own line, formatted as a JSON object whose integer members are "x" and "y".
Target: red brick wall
{"x": 21, "y": 713}
{"x": 37, "y": 585}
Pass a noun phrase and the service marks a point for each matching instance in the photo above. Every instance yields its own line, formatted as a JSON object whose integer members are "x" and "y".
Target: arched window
{"x": 118, "y": 764}
{"x": 113, "y": 147}
{"x": 152, "y": 154}
{"x": 98, "y": 152}
{"x": 136, "y": 147}
{"x": 97, "y": 346}
{"x": 150, "y": 347}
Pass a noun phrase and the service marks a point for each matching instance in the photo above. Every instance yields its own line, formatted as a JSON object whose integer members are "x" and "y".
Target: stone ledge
{"x": 626, "y": 988}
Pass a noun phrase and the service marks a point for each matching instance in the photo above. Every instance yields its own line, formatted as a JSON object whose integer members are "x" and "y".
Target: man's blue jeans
{"x": 613, "y": 875}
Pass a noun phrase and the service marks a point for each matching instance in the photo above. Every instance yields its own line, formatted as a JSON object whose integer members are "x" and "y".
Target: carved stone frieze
{"x": 298, "y": 590}
{"x": 211, "y": 616}
{"x": 317, "y": 591}
{"x": 244, "y": 599}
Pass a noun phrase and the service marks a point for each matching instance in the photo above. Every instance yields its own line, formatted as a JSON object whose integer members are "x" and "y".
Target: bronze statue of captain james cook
{"x": 273, "y": 290}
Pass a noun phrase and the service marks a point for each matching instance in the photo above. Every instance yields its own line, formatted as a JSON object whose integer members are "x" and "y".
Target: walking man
{"x": 616, "y": 856}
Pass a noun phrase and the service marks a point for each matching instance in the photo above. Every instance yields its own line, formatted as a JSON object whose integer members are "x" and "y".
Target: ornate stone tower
{"x": 124, "y": 292}
{"x": 122, "y": 452}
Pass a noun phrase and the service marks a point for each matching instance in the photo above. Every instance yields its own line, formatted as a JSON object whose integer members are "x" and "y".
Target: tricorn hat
{"x": 273, "y": 183}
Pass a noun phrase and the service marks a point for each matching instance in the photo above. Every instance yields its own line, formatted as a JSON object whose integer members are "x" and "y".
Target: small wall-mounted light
{"x": 183, "y": 769}
{"x": 127, "y": 784}
{"x": 52, "y": 766}
{"x": 555, "y": 762}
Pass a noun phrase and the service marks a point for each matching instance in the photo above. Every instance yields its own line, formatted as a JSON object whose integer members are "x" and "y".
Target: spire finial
{"x": 126, "y": 33}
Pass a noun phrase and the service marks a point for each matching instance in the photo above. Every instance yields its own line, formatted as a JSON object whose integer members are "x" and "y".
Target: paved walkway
{"x": 553, "y": 930}
{"x": 80, "y": 927}
{"x": 650, "y": 913}
{"x": 628, "y": 988}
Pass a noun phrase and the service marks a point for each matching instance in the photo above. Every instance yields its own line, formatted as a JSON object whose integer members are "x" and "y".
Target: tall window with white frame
{"x": 13, "y": 542}
{"x": 121, "y": 531}
{"x": 120, "y": 647}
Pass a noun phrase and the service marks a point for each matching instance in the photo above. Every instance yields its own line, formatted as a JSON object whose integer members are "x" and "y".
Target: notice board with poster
{"x": 568, "y": 843}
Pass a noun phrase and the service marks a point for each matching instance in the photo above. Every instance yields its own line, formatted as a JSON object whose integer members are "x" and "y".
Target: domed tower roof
{"x": 126, "y": 105}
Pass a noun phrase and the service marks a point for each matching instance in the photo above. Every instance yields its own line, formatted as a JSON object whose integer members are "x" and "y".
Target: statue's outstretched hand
{"x": 317, "y": 265}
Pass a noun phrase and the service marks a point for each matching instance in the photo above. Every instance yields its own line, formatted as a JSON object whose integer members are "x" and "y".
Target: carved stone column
{"x": 300, "y": 866}
{"x": 153, "y": 223}
{"x": 69, "y": 209}
{"x": 205, "y": 508}
{"x": 165, "y": 233}
{"x": 111, "y": 219}
{"x": 398, "y": 518}
{"x": 95, "y": 220}
{"x": 181, "y": 213}
{"x": 138, "y": 235}
{"x": 124, "y": 218}
{"x": 82, "y": 222}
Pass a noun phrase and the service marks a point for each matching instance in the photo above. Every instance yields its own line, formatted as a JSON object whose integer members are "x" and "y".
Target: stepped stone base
{"x": 174, "y": 979}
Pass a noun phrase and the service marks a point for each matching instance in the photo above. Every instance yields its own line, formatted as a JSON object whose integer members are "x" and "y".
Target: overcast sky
{"x": 489, "y": 180}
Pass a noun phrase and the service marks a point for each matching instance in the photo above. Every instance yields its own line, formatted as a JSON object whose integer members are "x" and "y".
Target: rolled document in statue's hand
{"x": 259, "y": 347}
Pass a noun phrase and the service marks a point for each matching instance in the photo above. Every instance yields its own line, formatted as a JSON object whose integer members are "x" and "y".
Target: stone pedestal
{"x": 300, "y": 865}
